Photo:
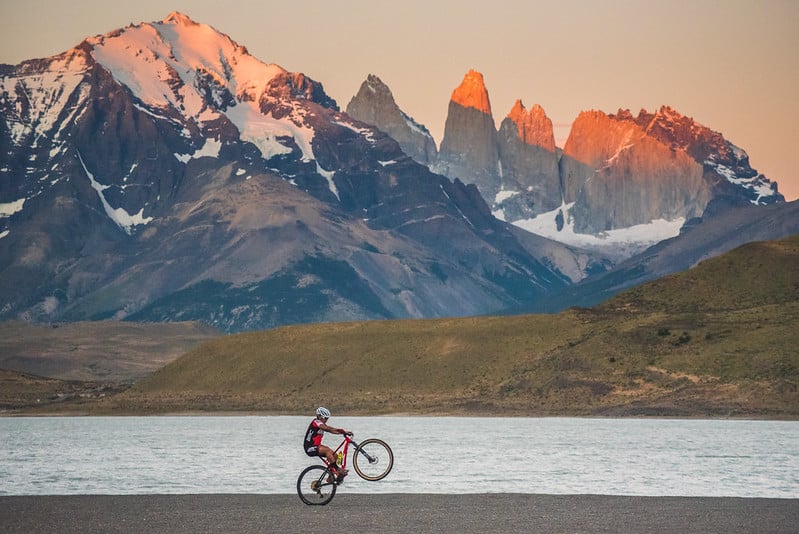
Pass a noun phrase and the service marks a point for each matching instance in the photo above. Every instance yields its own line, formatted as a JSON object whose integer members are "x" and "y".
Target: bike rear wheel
{"x": 313, "y": 486}
{"x": 373, "y": 459}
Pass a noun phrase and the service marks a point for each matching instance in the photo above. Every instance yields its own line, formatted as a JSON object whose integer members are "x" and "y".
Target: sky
{"x": 732, "y": 65}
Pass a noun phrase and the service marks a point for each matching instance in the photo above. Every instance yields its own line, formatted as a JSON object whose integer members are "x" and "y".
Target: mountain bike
{"x": 372, "y": 460}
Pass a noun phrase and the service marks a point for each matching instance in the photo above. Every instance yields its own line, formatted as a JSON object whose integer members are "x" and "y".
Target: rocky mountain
{"x": 530, "y": 180}
{"x": 160, "y": 172}
{"x": 374, "y": 104}
{"x": 469, "y": 148}
{"x": 620, "y": 171}
{"x": 620, "y": 184}
{"x": 515, "y": 167}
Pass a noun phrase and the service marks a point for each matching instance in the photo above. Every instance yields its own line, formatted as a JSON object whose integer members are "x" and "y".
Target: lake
{"x": 447, "y": 455}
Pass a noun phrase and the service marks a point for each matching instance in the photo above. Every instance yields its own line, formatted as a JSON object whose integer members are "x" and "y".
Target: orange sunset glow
{"x": 471, "y": 93}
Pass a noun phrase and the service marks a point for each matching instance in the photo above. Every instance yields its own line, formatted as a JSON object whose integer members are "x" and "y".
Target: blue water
{"x": 168, "y": 455}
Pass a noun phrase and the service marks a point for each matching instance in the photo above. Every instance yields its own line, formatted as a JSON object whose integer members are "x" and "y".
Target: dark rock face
{"x": 374, "y": 104}
{"x": 295, "y": 85}
{"x": 469, "y": 148}
{"x": 529, "y": 163}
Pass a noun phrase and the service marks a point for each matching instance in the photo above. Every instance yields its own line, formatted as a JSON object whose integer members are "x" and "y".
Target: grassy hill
{"x": 62, "y": 365}
{"x": 720, "y": 339}
{"x": 96, "y": 350}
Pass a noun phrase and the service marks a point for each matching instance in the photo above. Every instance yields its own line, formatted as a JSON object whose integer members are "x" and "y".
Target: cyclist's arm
{"x": 332, "y": 430}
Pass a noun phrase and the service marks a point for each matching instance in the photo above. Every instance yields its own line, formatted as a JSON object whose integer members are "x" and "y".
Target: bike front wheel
{"x": 373, "y": 459}
{"x": 316, "y": 485}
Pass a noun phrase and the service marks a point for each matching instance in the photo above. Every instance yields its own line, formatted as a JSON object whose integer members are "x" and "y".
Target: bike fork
{"x": 368, "y": 456}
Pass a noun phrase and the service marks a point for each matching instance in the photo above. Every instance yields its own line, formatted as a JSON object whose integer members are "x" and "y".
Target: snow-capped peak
{"x": 178, "y": 67}
{"x": 176, "y": 17}
{"x": 150, "y": 58}
{"x": 178, "y": 71}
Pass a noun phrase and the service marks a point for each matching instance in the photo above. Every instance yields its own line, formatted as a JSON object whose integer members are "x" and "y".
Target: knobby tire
{"x": 382, "y": 459}
{"x": 313, "y": 487}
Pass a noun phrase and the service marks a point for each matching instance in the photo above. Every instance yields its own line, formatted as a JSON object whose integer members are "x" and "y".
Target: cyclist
{"x": 313, "y": 440}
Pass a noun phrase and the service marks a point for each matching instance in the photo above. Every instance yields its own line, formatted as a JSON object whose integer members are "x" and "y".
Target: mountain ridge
{"x": 615, "y": 172}
{"x": 160, "y": 172}
{"x": 195, "y": 182}
{"x": 374, "y": 104}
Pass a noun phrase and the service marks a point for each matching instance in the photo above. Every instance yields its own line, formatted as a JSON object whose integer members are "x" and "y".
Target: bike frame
{"x": 344, "y": 447}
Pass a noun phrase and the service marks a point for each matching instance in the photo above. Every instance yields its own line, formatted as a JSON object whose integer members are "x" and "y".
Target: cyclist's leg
{"x": 328, "y": 454}
{"x": 324, "y": 452}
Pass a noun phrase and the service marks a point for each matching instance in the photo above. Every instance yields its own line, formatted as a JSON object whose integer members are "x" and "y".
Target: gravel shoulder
{"x": 395, "y": 513}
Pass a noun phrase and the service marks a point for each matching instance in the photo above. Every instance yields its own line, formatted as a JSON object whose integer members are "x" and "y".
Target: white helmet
{"x": 322, "y": 412}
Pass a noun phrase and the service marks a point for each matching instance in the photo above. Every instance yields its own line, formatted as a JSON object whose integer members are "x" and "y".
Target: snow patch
{"x": 154, "y": 114}
{"x": 8, "y": 209}
{"x": 55, "y": 149}
{"x": 265, "y": 132}
{"x": 463, "y": 215}
{"x": 49, "y": 304}
{"x": 210, "y": 149}
{"x": 761, "y": 188}
{"x": 121, "y": 217}
{"x": 415, "y": 126}
{"x": 504, "y": 195}
{"x": 368, "y": 133}
{"x": 329, "y": 177}
{"x": 611, "y": 160}
{"x": 4, "y": 233}
{"x": 650, "y": 233}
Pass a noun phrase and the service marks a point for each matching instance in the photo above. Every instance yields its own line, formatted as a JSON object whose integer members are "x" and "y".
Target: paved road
{"x": 417, "y": 514}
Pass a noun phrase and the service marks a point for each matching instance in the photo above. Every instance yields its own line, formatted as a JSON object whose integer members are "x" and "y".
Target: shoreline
{"x": 453, "y": 414}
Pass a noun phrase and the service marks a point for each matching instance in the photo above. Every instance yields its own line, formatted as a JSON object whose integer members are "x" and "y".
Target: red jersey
{"x": 313, "y": 436}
